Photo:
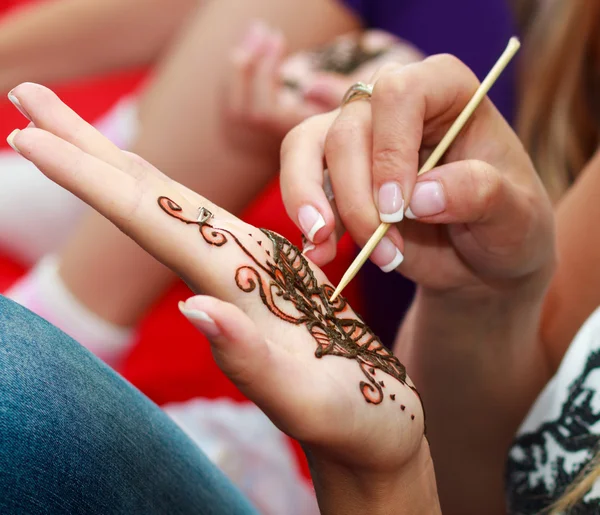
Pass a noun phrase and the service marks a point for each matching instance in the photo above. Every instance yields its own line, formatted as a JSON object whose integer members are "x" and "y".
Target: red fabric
{"x": 171, "y": 360}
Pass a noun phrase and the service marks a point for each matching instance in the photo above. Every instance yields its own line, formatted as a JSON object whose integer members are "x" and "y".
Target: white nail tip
{"x": 410, "y": 214}
{"x": 11, "y": 140}
{"x": 15, "y": 101}
{"x": 308, "y": 247}
{"x": 392, "y": 218}
{"x": 395, "y": 263}
{"x": 195, "y": 314}
{"x": 318, "y": 225}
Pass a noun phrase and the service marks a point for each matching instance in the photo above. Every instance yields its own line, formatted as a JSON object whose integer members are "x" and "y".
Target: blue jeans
{"x": 77, "y": 438}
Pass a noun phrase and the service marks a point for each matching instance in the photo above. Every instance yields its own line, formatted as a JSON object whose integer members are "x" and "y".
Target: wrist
{"x": 471, "y": 333}
{"x": 343, "y": 489}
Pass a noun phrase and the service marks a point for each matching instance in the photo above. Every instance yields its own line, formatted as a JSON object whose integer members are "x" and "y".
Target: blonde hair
{"x": 558, "y": 118}
{"x": 559, "y": 121}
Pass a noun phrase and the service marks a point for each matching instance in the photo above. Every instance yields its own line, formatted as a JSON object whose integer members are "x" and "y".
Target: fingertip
{"x": 313, "y": 224}
{"x": 11, "y": 140}
{"x": 200, "y": 319}
{"x": 390, "y": 202}
{"x": 250, "y": 44}
{"x": 388, "y": 254}
{"x": 20, "y": 139}
{"x": 324, "y": 253}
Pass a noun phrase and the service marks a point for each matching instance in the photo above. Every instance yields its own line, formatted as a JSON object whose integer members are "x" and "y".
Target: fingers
{"x": 243, "y": 61}
{"x": 48, "y": 112}
{"x": 412, "y": 107}
{"x": 261, "y": 370}
{"x": 267, "y": 82}
{"x": 107, "y": 189}
{"x": 302, "y": 187}
{"x": 239, "y": 348}
{"x": 43, "y": 107}
{"x": 256, "y": 79}
{"x": 348, "y": 152}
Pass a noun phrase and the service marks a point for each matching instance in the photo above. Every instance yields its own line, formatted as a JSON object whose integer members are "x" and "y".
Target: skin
{"x": 482, "y": 264}
{"x": 108, "y": 273}
{"x": 384, "y": 461}
{"x": 258, "y": 98}
{"x": 36, "y": 42}
{"x": 483, "y": 279}
{"x": 573, "y": 293}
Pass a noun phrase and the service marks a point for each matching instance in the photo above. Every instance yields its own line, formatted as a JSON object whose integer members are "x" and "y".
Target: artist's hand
{"x": 354, "y": 409}
{"x": 483, "y": 220}
{"x": 269, "y": 91}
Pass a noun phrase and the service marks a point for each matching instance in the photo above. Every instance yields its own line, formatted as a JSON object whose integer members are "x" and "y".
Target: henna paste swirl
{"x": 285, "y": 279}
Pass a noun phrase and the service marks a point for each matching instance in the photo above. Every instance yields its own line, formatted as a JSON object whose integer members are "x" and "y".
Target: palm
{"x": 322, "y": 376}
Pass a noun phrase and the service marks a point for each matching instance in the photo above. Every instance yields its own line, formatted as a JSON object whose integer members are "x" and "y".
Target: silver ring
{"x": 357, "y": 91}
{"x": 204, "y": 215}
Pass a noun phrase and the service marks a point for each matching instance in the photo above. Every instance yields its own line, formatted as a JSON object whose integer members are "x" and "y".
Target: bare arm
{"x": 490, "y": 354}
{"x": 574, "y": 292}
{"x": 62, "y": 39}
{"x": 182, "y": 131}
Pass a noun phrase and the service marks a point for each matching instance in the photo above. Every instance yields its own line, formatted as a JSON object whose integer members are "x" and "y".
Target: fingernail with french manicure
{"x": 387, "y": 256}
{"x": 391, "y": 203}
{"x": 11, "y": 140}
{"x": 428, "y": 199}
{"x": 307, "y": 246}
{"x": 15, "y": 101}
{"x": 200, "y": 320}
{"x": 310, "y": 221}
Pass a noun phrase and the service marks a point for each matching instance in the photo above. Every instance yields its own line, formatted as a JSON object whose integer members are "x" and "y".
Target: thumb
{"x": 237, "y": 346}
{"x": 257, "y": 367}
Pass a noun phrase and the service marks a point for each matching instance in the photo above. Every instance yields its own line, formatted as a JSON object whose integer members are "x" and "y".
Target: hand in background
{"x": 273, "y": 92}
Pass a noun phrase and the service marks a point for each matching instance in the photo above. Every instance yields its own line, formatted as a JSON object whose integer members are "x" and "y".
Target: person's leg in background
{"x": 77, "y": 438}
{"x": 103, "y": 279}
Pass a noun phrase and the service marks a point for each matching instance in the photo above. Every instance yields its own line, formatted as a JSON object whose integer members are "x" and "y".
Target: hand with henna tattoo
{"x": 272, "y": 92}
{"x": 313, "y": 366}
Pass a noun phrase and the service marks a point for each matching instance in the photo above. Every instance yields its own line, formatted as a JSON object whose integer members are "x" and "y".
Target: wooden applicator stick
{"x": 440, "y": 150}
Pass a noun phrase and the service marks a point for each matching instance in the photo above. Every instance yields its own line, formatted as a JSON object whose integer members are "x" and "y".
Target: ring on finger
{"x": 357, "y": 91}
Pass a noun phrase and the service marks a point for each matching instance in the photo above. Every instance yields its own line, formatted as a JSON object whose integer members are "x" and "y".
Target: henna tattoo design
{"x": 286, "y": 276}
{"x": 342, "y": 58}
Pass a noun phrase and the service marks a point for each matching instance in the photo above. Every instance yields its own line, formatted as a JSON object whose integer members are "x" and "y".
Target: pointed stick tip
{"x": 336, "y": 293}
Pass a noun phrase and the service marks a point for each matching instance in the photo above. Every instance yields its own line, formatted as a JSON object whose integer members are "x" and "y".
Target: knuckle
{"x": 446, "y": 60}
{"x": 292, "y": 139}
{"x": 389, "y": 161}
{"x": 487, "y": 184}
{"x": 386, "y": 69}
{"x": 396, "y": 85}
{"x": 450, "y": 65}
{"x": 344, "y": 132}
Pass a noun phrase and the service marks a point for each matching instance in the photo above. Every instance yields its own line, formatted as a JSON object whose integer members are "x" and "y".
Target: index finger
{"x": 412, "y": 107}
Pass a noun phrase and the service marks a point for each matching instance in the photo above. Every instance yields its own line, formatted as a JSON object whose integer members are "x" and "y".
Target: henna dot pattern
{"x": 285, "y": 280}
